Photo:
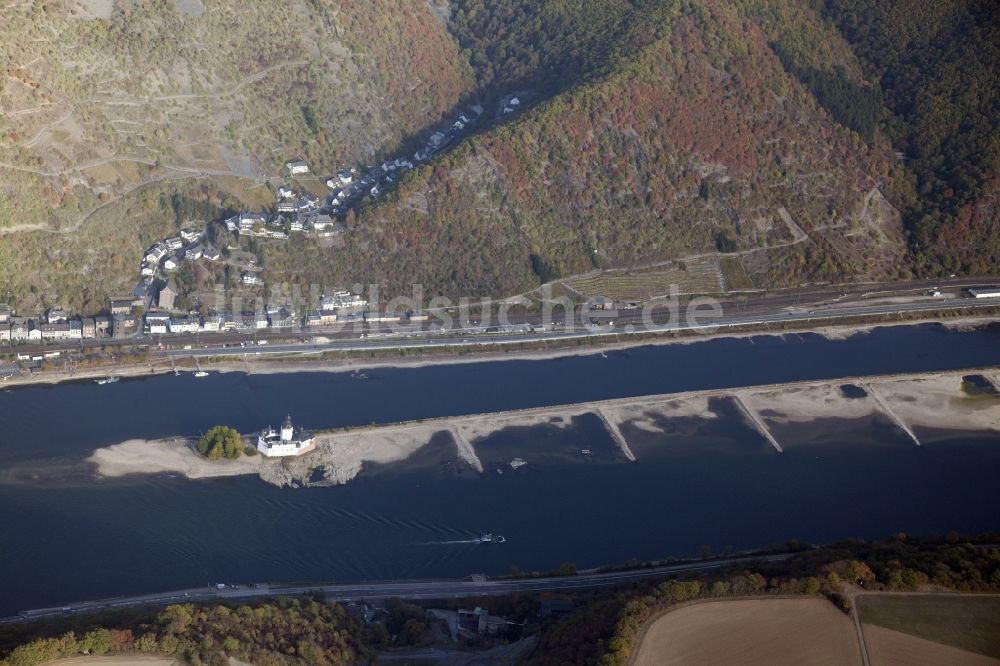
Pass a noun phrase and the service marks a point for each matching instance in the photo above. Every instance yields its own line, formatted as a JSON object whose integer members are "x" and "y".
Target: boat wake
{"x": 486, "y": 538}
{"x": 452, "y": 542}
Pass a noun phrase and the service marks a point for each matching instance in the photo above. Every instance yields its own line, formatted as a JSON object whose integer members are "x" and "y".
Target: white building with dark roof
{"x": 297, "y": 167}
{"x": 289, "y": 441}
{"x": 190, "y": 235}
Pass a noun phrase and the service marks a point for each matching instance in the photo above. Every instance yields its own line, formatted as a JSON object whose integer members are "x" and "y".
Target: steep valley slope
{"x": 717, "y": 146}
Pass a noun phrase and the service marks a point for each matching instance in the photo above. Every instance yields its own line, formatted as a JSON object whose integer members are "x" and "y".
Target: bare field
{"x": 751, "y": 632}
{"x": 895, "y": 648}
{"x": 117, "y": 660}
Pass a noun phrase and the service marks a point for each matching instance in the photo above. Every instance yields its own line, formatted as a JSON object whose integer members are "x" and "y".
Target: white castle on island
{"x": 287, "y": 442}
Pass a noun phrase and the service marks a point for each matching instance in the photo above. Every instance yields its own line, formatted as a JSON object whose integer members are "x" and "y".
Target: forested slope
{"x": 938, "y": 66}
{"x": 768, "y": 143}
{"x": 694, "y": 142}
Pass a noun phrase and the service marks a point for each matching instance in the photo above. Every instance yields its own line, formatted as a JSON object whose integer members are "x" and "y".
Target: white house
{"x": 211, "y": 324}
{"x": 183, "y": 325}
{"x": 57, "y": 315}
{"x": 59, "y": 331}
{"x": 157, "y": 322}
{"x": 322, "y": 221}
{"x": 19, "y": 329}
{"x": 155, "y": 253}
{"x": 190, "y": 235}
{"x": 342, "y": 299}
{"x": 248, "y": 221}
{"x": 170, "y": 264}
{"x": 174, "y": 243}
{"x": 297, "y": 167}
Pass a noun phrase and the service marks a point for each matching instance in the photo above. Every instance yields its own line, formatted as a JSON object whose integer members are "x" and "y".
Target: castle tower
{"x": 287, "y": 431}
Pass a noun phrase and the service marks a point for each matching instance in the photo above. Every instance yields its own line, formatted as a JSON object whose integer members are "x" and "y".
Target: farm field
{"x": 752, "y": 632}
{"x": 968, "y": 623}
{"x": 887, "y": 647}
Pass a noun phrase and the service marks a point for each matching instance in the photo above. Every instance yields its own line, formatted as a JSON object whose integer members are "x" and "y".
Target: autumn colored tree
{"x": 221, "y": 442}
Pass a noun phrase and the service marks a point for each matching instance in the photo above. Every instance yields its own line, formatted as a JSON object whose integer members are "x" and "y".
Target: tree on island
{"x": 221, "y": 442}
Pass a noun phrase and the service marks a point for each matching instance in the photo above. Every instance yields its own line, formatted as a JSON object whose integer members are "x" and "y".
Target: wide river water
{"x": 713, "y": 482}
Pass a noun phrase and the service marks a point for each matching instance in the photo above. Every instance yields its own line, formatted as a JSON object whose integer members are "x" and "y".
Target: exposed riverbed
{"x": 939, "y": 401}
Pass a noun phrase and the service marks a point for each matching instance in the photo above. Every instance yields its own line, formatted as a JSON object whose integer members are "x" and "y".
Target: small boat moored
{"x": 108, "y": 380}
{"x": 201, "y": 373}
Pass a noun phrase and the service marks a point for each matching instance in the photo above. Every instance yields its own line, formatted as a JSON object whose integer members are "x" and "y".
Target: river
{"x": 712, "y": 483}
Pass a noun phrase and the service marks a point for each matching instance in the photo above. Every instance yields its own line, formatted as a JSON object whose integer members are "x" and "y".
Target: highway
{"x": 625, "y": 323}
{"x": 806, "y": 308}
{"x": 815, "y": 306}
{"x": 430, "y": 589}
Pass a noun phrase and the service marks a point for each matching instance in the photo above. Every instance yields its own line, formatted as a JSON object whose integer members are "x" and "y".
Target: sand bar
{"x": 934, "y": 399}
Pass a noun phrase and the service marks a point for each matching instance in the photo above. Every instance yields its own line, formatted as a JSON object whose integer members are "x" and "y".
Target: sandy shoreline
{"x": 296, "y": 363}
{"x": 338, "y": 458}
{"x": 929, "y": 400}
{"x": 166, "y": 456}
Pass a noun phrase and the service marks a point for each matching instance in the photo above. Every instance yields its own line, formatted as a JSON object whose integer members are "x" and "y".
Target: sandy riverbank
{"x": 338, "y": 457}
{"x": 938, "y": 401}
{"x": 808, "y": 403}
{"x": 167, "y": 456}
{"x": 293, "y": 363}
{"x": 933, "y": 400}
